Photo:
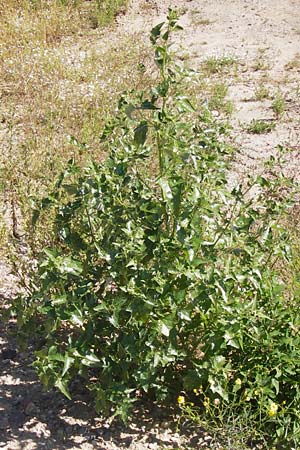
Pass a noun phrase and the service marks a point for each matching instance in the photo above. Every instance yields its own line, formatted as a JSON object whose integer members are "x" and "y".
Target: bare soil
{"x": 264, "y": 37}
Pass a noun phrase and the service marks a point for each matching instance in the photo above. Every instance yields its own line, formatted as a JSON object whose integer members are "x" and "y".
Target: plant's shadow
{"x": 29, "y": 416}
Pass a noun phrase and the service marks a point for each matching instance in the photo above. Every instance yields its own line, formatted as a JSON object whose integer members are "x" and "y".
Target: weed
{"x": 261, "y": 92}
{"x": 294, "y": 64}
{"x": 108, "y": 9}
{"x": 278, "y": 105}
{"x": 221, "y": 65}
{"x": 198, "y": 21}
{"x": 217, "y": 99}
{"x": 260, "y": 126}
{"x": 261, "y": 62}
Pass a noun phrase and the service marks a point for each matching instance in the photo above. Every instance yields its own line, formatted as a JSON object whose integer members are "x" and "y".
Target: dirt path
{"x": 263, "y": 37}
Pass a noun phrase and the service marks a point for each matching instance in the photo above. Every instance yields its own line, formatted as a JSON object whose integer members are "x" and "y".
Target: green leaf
{"x": 62, "y": 386}
{"x": 164, "y": 184}
{"x": 184, "y": 104}
{"x": 164, "y": 328}
{"x": 275, "y": 384}
{"x": 148, "y": 105}
{"x": 71, "y": 189}
{"x": 129, "y": 110}
{"x": 77, "y": 319}
{"x": 217, "y": 388}
{"x": 91, "y": 360}
{"x": 155, "y": 32}
{"x": 59, "y": 300}
{"x": 68, "y": 363}
{"x": 184, "y": 315}
{"x": 70, "y": 266}
{"x": 140, "y": 133}
{"x": 230, "y": 340}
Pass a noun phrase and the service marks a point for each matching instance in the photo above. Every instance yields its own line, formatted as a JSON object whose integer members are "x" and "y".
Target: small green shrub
{"x": 163, "y": 280}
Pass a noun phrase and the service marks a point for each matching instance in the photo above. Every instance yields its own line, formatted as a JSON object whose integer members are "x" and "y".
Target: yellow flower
{"x": 206, "y": 403}
{"x": 181, "y": 400}
{"x": 238, "y": 381}
{"x": 272, "y": 411}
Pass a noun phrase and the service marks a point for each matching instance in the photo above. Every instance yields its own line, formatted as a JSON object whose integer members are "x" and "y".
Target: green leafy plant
{"x": 278, "y": 105}
{"x": 260, "y": 126}
{"x": 163, "y": 281}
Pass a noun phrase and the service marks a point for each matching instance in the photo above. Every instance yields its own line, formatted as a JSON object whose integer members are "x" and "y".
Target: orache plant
{"x": 163, "y": 281}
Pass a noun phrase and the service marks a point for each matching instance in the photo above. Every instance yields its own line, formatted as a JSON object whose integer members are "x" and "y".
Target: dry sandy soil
{"x": 264, "y": 38}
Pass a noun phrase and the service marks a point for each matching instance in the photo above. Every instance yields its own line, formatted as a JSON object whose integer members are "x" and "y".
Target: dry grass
{"x": 60, "y": 77}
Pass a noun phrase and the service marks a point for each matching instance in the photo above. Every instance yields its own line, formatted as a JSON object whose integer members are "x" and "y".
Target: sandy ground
{"x": 264, "y": 37}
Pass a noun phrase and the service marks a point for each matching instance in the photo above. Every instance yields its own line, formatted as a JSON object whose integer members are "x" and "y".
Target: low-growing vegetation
{"x": 160, "y": 280}
{"x": 219, "y": 65}
{"x": 259, "y": 126}
{"x": 279, "y": 105}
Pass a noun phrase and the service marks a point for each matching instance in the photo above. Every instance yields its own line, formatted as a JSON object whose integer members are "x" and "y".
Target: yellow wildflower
{"x": 206, "y": 403}
{"x": 238, "y": 381}
{"x": 272, "y": 411}
{"x": 181, "y": 400}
